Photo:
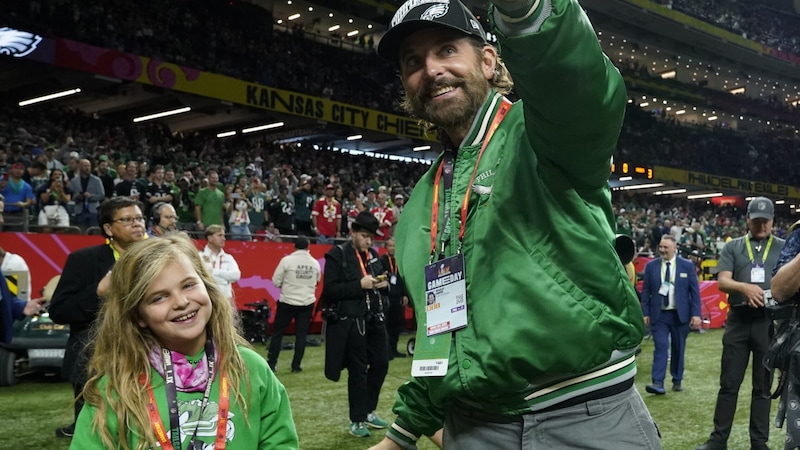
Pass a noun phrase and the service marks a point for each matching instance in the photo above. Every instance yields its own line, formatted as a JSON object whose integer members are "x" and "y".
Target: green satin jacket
{"x": 551, "y": 312}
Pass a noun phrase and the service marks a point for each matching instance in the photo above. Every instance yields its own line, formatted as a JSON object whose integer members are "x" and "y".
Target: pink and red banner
{"x": 46, "y": 254}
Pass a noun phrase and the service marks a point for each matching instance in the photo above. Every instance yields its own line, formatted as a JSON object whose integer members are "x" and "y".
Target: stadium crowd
{"x": 45, "y": 140}
{"x": 238, "y": 39}
{"x": 755, "y": 20}
{"x": 229, "y": 38}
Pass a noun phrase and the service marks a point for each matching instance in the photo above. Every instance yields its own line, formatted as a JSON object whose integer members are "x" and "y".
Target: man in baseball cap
{"x": 416, "y": 15}
{"x": 480, "y": 381}
{"x": 745, "y": 268}
{"x": 760, "y": 208}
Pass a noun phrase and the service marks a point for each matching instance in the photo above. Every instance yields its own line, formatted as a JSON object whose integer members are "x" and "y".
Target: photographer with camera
{"x": 354, "y": 298}
{"x": 745, "y": 271}
{"x": 782, "y": 353}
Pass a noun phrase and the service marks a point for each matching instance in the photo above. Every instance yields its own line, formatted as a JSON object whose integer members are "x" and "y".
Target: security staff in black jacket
{"x": 398, "y": 299}
{"x": 355, "y": 287}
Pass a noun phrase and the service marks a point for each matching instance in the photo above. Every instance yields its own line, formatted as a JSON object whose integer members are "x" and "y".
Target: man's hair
{"x": 669, "y": 237}
{"x": 214, "y": 229}
{"x": 501, "y": 81}
{"x": 122, "y": 345}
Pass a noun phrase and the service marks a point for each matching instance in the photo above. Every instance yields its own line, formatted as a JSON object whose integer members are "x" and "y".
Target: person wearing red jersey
{"x": 384, "y": 214}
{"x": 326, "y": 217}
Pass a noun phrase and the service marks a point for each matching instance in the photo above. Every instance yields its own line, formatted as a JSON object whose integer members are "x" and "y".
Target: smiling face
{"x": 667, "y": 248}
{"x": 444, "y": 76}
{"x": 176, "y": 308}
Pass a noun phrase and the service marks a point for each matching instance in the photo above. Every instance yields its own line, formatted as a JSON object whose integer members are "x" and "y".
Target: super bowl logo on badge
{"x": 17, "y": 43}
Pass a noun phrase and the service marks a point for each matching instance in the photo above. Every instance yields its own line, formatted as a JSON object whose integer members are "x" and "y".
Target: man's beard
{"x": 453, "y": 112}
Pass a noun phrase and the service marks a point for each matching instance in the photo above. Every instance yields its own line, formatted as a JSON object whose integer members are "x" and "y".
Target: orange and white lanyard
{"x": 505, "y": 106}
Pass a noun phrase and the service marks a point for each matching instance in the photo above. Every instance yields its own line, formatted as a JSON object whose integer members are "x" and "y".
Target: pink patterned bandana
{"x": 187, "y": 378}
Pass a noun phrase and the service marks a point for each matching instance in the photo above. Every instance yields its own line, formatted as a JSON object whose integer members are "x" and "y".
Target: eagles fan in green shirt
{"x": 208, "y": 203}
{"x": 530, "y": 340}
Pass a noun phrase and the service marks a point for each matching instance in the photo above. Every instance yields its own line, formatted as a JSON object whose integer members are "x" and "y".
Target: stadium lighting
{"x": 226, "y": 134}
{"x": 670, "y": 192}
{"x": 421, "y": 148}
{"x": 334, "y": 28}
{"x": 680, "y": 111}
{"x": 737, "y": 91}
{"x": 668, "y": 74}
{"x": 262, "y": 127}
{"x": 47, "y": 97}
{"x": 625, "y": 178}
{"x": 352, "y": 33}
{"x": 354, "y": 137}
{"x": 294, "y": 16}
{"x": 712, "y": 118}
{"x": 780, "y": 202}
{"x": 171, "y": 112}
{"x": 696, "y": 196}
{"x": 644, "y": 104}
{"x": 641, "y": 186}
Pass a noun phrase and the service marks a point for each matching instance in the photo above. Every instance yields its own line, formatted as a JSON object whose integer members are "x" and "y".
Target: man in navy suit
{"x": 671, "y": 302}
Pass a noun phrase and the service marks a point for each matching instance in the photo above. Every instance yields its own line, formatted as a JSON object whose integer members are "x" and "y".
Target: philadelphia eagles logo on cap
{"x": 403, "y": 11}
{"x": 17, "y": 43}
{"x": 435, "y": 12}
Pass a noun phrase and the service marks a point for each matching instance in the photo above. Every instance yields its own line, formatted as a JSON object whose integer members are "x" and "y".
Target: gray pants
{"x": 619, "y": 422}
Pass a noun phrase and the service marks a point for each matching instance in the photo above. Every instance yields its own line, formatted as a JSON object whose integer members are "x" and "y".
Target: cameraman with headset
{"x": 354, "y": 298}
{"x": 164, "y": 219}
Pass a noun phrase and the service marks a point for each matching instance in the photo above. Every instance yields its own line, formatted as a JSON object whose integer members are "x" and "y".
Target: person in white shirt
{"x": 11, "y": 263}
{"x": 297, "y": 275}
{"x": 222, "y": 266}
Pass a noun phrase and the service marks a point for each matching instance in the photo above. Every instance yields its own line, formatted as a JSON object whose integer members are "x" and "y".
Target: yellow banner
{"x": 720, "y": 182}
{"x": 237, "y": 91}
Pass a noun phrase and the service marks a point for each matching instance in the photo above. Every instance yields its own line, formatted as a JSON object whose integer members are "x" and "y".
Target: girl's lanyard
{"x": 392, "y": 265}
{"x": 505, "y": 106}
{"x": 174, "y": 440}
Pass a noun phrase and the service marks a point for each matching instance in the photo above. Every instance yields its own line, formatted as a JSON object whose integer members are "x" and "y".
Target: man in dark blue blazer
{"x": 13, "y": 308}
{"x": 671, "y": 302}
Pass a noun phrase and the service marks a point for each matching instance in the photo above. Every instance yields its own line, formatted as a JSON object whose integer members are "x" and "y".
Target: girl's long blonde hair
{"x": 121, "y": 346}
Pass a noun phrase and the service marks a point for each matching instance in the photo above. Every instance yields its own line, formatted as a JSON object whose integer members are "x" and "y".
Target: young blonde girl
{"x": 165, "y": 327}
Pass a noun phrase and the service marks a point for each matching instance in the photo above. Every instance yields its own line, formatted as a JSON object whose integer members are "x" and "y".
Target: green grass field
{"x": 35, "y": 407}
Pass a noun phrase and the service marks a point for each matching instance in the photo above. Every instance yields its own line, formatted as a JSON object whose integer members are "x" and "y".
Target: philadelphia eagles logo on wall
{"x": 17, "y": 43}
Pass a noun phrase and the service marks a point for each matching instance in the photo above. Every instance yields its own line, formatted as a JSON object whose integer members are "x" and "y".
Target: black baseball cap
{"x": 415, "y": 15}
